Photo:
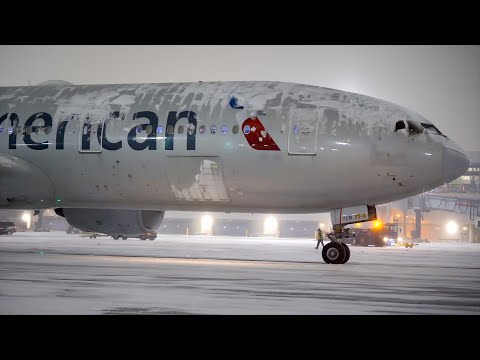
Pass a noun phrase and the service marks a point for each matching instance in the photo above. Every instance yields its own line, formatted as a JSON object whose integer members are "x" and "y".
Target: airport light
{"x": 270, "y": 225}
{"x": 27, "y": 218}
{"x": 452, "y": 227}
{"x": 207, "y": 224}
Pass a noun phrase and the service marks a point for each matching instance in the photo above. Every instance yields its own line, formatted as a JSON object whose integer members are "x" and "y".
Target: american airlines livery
{"x": 113, "y": 158}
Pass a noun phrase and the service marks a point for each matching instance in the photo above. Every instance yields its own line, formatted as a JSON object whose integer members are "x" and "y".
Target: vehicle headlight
{"x": 399, "y": 239}
{"x": 385, "y": 239}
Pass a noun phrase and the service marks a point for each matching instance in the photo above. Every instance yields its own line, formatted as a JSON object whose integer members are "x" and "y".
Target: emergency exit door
{"x": 91, "y": 134}
{"x": 302, "y": 135}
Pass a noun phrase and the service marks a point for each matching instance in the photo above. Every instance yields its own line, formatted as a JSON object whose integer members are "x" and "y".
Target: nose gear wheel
{"x": 335, "y": 253}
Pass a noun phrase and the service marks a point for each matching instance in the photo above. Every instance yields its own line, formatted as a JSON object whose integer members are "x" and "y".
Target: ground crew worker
{"x": 319, "y": 237}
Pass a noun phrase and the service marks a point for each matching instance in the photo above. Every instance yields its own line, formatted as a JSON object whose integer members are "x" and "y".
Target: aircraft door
{"x": 302, "y": 134}
{"x": 91, "y": 134}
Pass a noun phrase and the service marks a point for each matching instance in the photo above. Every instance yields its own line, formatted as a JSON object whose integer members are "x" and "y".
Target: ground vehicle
{"x": 148, "y": 235}
{"x": 152, "y": 235}
{"x": 378, "y": 235}
{"x": 72, "y": 230}
{"x": 7, "y": 228}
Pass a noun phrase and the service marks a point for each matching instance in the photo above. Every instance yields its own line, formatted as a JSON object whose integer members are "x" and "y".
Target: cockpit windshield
{"x": 413, "y": 128}
{"x": 432, "y": 129}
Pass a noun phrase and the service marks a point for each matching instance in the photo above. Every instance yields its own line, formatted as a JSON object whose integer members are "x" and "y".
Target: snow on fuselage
{"x": 219, "y": 146}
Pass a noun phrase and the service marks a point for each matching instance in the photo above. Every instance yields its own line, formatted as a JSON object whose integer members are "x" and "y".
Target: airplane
{"x": 112, "y": 158}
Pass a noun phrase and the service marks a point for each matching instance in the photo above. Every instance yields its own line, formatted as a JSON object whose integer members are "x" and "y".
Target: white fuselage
{"x": 320, "y": 148}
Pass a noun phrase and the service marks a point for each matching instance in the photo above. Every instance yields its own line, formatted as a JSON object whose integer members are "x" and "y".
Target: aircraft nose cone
{"x": 455, "y": 164}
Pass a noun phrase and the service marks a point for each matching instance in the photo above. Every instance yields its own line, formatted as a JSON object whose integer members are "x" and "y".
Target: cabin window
{"x": 213, "y": 129}
{"x": 180, "y": 129}
{"x": 48, "y": 130}
{"x": 201, "y": 129}
{"x": 413, "y": 129}
{"x": 224, "y": 129}
{"x": 246, "y": 129}
{"x": 10, "y": 130}
{"x": 159, "y": 130}
{"x": 235, "y": 129}
{"x": 19, "y": 130}
{"x": 138, "y": 129}
{"x": 149, "y": 129}
{"x": 169, "y": 129}
{"x": 1, "y": 130}
{"x": 28, "y": 130}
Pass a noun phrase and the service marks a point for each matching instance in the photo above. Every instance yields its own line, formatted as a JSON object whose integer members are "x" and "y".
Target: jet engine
{"x": 132, "y": 223}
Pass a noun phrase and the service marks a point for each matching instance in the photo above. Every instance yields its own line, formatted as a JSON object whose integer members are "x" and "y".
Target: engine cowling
{"x": 113, "y": 222}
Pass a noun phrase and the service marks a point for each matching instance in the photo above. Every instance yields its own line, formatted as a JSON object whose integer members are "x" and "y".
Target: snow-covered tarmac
{"x": 56, "y": 273}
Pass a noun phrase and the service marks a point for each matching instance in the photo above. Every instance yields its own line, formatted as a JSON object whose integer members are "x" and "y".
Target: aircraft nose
{"x": 455, "y": 164}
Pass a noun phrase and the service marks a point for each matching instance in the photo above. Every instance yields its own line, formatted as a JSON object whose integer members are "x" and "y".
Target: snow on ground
{"x": 56, "y": 273}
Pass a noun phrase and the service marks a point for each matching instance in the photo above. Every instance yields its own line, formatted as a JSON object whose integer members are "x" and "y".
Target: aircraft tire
{"x": 333, "y": 253}
{"x": 347, "y": 253}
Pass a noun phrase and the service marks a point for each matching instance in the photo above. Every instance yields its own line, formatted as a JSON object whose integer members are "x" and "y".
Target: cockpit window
{"x": 399, "y": 125}
{"x": 432, "y": 129}
{"x": 413, "y": 128}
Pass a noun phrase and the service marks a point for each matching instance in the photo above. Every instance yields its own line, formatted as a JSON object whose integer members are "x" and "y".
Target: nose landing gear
{"x": 336, "y": 252}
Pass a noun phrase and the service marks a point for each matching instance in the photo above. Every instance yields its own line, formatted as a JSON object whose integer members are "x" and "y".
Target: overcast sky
{"x": 442, "y": 83}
